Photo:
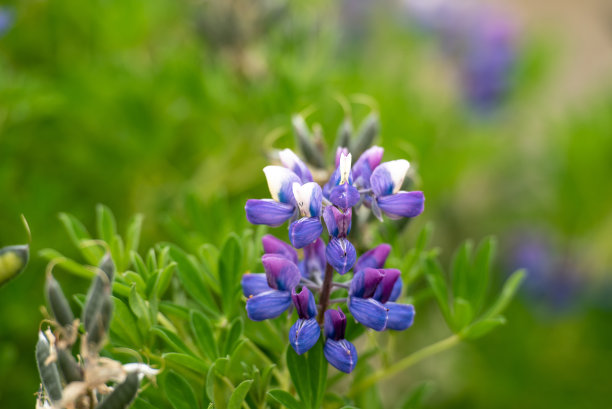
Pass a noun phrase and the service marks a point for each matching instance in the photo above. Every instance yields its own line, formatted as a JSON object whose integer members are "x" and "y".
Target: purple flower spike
{"x": 338, "y": 222}
{"x": 282, "y": 274}
{"x": 291, "y": 161}
{"x": 387, "y": 285}
{"x": 344, "y": 196}
{"x": 268, "y": 305}
{"x": 374, "y": 258}
{"x": 314, "y": 258}
{"x": 340, "y": 254}
{"x": 305, "y": 231}
{"x": 400, "y": 316}
{"x": 402, "y": 204}
{"x": 365, "y": 165}
{"x": 268, "y": 212}
{"x": 272, "y": 245}
{"x": 304, "y": 302}
{"x": 338, "y": 351}
{"x": 254, "y": 284}
{"x": 304, "y": 334}
{"x": 388, "y": 177}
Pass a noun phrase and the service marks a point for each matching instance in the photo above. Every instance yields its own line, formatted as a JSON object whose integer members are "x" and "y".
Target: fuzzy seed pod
{"x": 305, "y": 142}
{"x": 99, "y": 290}
{"x": 99, "y": 326}
{"x": 345, "y": 132}
{"x": 59, "y": 304}
{"x": 69, "y": 367}
{"x": 49, "y": 375}
{"x": 108, "y": 266}
{"x": 123, "y": 394}
{"x": 368, "y": 131}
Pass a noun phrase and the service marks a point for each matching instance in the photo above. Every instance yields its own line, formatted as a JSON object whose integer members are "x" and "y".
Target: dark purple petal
{"x": 291, "y": 161}
{"x": 340, "y": 254}
{"x": 342, "y": 355}
{"x": 401, "y": 316}
{"x": 305, "y": 231}
{"x": 365, "y": 165}
{"x": 387, "y": 284}
{"x": 268, "y": 305}
{"x": 253, "y": 284}
{"x": 388, "y": 177}
{"x": 368, "y": 312}
{"x": 397, "y": 290}
{"x": 344, "y": 196}
{"x": 338, "y": 222}
{"x": 365, "y": 282}
{"x": 335, "y": 324}
{"x": 304, "y": 334}
{"x": 402, "y": 204}
{"x": 272, "y": 245}
{"x": 304, "y": 302}
{"x": 282, "y": 274}
{"x": 374, "y": 258}
{"x": 268, "y": 212}
{"x": 314, "y": 258}
{"x": 280, "y": 183}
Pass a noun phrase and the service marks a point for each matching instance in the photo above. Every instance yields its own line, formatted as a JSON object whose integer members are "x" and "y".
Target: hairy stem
{"x": 408, "y": 361}
{"x": 325, "y": 291}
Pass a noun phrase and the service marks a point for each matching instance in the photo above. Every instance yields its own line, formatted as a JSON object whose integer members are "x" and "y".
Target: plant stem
{"x": 337, "y": 300}
{"x": 341, "y": 285}
{"x": 325, "y": 291}
{"x": 408, "y": 361}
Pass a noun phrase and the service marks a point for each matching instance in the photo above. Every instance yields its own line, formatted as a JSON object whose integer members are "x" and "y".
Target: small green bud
{"x": 13, "y": 260}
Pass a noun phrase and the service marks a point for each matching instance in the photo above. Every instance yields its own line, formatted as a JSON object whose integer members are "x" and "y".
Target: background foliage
{"x": 158, "y": 108}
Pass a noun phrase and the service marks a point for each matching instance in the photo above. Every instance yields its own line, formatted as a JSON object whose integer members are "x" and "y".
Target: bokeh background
{"x": 168, "y": 108}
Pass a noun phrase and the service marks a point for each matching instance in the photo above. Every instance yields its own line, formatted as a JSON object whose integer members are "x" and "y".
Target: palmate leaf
{"x": 179, "y": 392}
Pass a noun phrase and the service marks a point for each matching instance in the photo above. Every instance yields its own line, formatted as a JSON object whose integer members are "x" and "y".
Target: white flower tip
{"x": 345, "y": 167}
{"x": 398, "y": 169}
{"x": 287, "y": 157}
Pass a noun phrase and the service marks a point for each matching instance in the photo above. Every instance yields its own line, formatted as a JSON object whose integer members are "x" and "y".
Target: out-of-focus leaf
{"x": 235, "y": 401}
{"x": 510, "y": 287}
{"x": 139, "y": 265}
{"x": 285, "y": 398}
{"x": 230, "y": 260}
{"x": 460, "y": 270}
{"x": 140, "y": 308}
{"x": 417, "y": 396}
{"x": 164, "y": 278}
{"x": 317, "y": 367}
{"x": 78, "y": 233}
{"x": 233, "y": 336}
{"x": 482, "y": 327}
{"x": 170, "y": 338}
{"x": 300, "y": 375}
{"x": 124, "y": 323}
{"x": 480, "y": 272}
{"x": 204, "y": 335}
{"x": 132, "y": 234}
{"x": 462, "y": 313}
{"x": 178, "y": 392}
{"x": 436, "y": 281}
{"x": 105, "y": 222}
{"x": 187, "y": 361}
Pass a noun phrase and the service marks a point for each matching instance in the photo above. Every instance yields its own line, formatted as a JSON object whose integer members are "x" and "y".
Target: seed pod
{"x": 49, "y": 375}
{"x": 108, "y": 266}
{"x": 13, "y": 260}
{"x": 100, "y": 286}
{"x": 368, "y": 131}
{"x": 69, "y": 367}
{"x": 123, "y": 394}
{"x": 59, "y": 304}
{"x": 345, "y": 132}
{"x": 306, "y": 143}
{"x": 96, "y": 332}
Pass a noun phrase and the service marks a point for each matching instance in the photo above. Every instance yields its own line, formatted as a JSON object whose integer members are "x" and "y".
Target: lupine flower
{"x": 304, "y": 334}
{"x": 373, "y": 291}
{"x": 338, "y": 351}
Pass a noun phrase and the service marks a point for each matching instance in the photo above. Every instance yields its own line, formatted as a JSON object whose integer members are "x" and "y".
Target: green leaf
{"x": 192, "y": 280}
{"x": 462, "y": 314}
{"x": 105, "y": 222}
{"x": 235, "y": 401}
{"x": 298, "y": 369}
{"x": 124, "y": 323}
{"x": 132, "y": 234}
{"x": 233, "y": 336}
{"x": 178, "y": 392}
{"x": 417, "y": 395}
{"x": 482, "y": 327}
{"x": 204, "y": 335}
{"x": 510, "y": 287}
{"x": 118, "y": 252}
{"x": 435, "y": 278}
{"x": 164, "y": 278}
{"x": 285, "y": 398}
{"x": 171, "y": 339}
{"x": 218, "y": 368}
{"x": 135, "y": 279}
{"x": 480, "y": 272}
{"x": 142, "y": 404}
{"x": 461, "y": 267}
{"x": 78, "y": 233}
{"x": 230, "y": 261}
{"x": 140, "y": 308}
{"x": 186, "y": 361}
{"x": 139, "y": 265}
{"x": 317, "y": 368}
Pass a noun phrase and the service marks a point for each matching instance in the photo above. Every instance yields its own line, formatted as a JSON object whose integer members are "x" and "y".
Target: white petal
{"x": 345, "y": 168}
{"x": 288, "y": 158}
{"x": 397, "y": 169}
{"x": 302, "y": 195}
{"x": 278, "y": 176}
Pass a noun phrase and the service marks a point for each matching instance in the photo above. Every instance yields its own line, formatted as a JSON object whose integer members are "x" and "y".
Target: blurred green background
{"x": 168, "y": 108}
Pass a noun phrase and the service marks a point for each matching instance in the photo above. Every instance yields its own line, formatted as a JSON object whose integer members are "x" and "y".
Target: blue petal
{"x": 304, "y": 302}
{"x": 280, "y": 182}
{"x": 272, "y": 245}
{"x": 305, "y": 231}
{"x": 365, "y": 165}
{"x": 291, "y": 161}
{"x": 338, "y": 222}
{"x": 388, "y": 177}
{"x": 387, "y": 285}
{"x": 366, "y": 282}
{"x": 304, "y": 334}
{"x": 341, "y": 354}
{"x": 340, "y": 254}
{"x": 374, "y": 258}
{"x": 369, "y": 312}
{"x": 344, "y": 196}
{"x": 253, "y": 284}
{"x": 401, "y": 316}
{"x": 268, "y": 305}
{"x": 268, "y": 212}
{"x": 397, "y": 290}
{"x": 281, "y": 273}
{"x": 314, "y": 258}
{"x": 402, "y": 204}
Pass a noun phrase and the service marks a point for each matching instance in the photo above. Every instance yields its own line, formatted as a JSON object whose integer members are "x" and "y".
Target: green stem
{"x": 407, "y": 362}
{"x": 281, "y": 379}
